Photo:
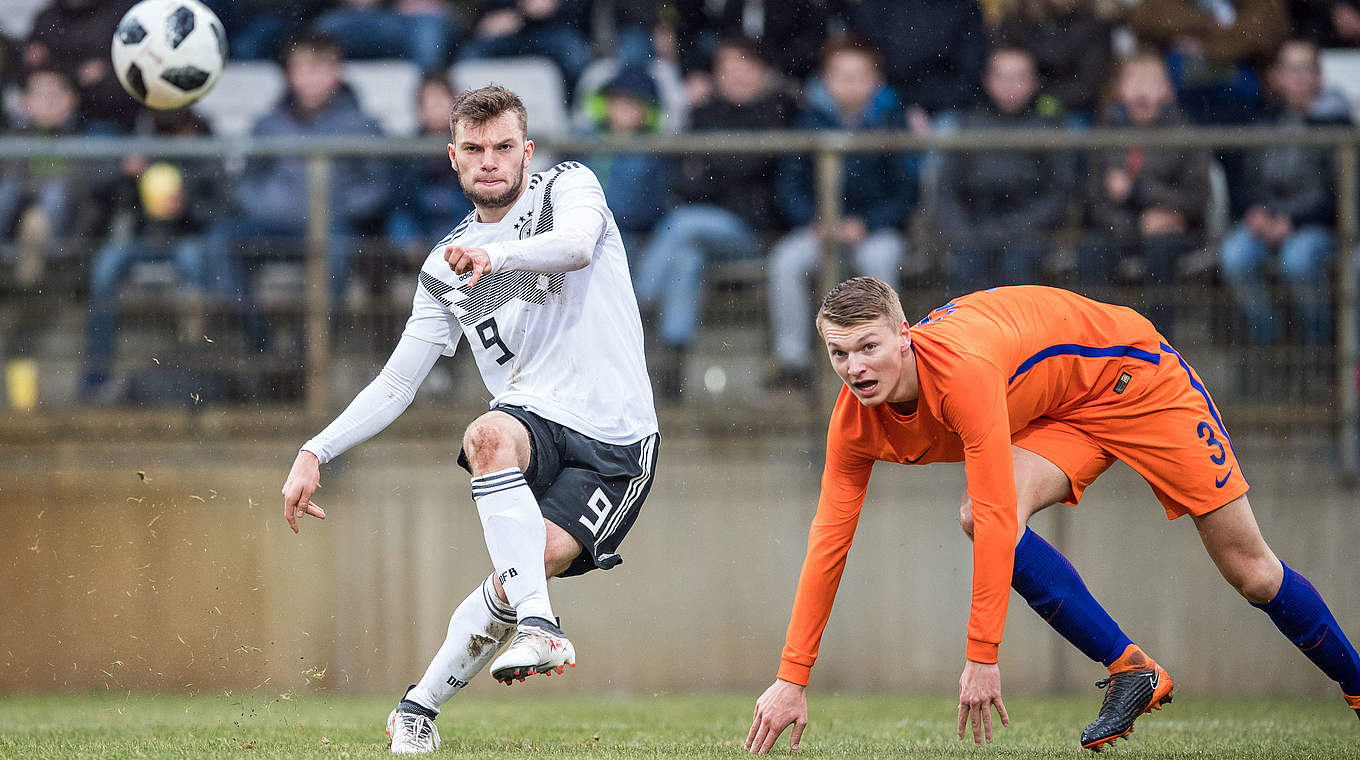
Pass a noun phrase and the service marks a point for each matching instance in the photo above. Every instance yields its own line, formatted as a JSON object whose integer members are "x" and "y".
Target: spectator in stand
{"x": 256, "y": 29}
{"x": 726, "y": 202}
{"x": 430, "y": 201}
{"x": 880, "y": 189}
{"x": 271, "y": 194}
{"x": 46, "y": 203}
{"x": 1146, "y": 202}
{"x": 171, "y": 205}
{"x": 1326, "y": 23}
{"x": 421, "y": 31}
{"x": 998, "y": 209}
{"x": 1070, "y": 43}
{"x": 633, "y": 22}
{"x": 1292, "y": 209}
{"x": 550, "y": 28}
{"x": 791, "y": 32}
{"x": 933, "y": 50}
{"x": 1213, "y": 49}
{"x": 73, "y": 36}
{"x": 636, "y": 185}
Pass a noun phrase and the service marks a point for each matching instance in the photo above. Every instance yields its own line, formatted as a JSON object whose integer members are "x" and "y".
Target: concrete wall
{"x": 190, "y": 580}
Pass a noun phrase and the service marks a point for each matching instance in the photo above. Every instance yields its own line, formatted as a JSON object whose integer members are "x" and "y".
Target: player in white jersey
{"x": 537, "y": 280}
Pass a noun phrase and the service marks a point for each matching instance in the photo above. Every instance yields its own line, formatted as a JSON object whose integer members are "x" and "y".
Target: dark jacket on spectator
{"x": 934, "y": 51}
{"x": 635, "y": 187}
{"x": 21, "y": 179}
{"x": 273, "y": 189}
{"x": 1072, "y": 52}
{"x": 1294, "y": 180}
{"x": 76, "y": 33}
{"x": 992, "y": 197}
{"x": 791, "y": 32}
{"x": 1312, "y": 20}
{"x": 742, "y": 184}
{"x": 1175, "y": 179}
{"x": 429, "y": 192}
{"x": 880, "y": 188}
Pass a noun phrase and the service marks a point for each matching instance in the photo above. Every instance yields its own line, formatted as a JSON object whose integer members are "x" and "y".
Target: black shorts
{"x": 590, "y": 489}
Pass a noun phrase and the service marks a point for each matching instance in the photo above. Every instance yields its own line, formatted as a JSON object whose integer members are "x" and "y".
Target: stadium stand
{"x": 670, "y": 89}
{"x": 1341, "y": 69}
{"x": 385, "y": 90}
{"x": 536, "y": 80}
{"x": 246, "y": 91}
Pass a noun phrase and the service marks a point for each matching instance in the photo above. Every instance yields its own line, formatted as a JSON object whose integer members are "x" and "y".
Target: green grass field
{"x": 321, "y": 726}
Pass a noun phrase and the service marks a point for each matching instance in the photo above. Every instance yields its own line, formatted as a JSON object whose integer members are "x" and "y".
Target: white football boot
{"x": 539, "y": 647}
{"x": 411, "y": 733}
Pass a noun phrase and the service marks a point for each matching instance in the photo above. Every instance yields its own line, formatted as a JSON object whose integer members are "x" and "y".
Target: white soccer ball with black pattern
{"x": 169, "y": 53}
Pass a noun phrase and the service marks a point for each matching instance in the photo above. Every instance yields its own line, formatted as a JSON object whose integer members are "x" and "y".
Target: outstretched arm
{"x": 845, "y": 481}
{"x": 978, "y": 414}
{"x": 373, "y": 409}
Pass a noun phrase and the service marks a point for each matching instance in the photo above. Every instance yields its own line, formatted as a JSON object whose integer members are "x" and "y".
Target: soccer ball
{"x": 169, "y": 53}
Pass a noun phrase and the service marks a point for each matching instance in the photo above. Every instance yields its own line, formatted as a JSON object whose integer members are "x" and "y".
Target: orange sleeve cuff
{"x": 982, "y": 651}
{"x": 794, "y": 673}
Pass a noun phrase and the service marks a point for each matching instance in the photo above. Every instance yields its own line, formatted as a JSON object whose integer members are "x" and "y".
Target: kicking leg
{"x": 477, "y": 630}
{"x": 498, "y": 450}
{"x": 1234, "y": 542}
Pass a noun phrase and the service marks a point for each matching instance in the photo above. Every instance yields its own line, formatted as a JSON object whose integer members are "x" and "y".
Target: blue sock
{"x": 1051, "y": 586}
{"x": 1301, "y": 615}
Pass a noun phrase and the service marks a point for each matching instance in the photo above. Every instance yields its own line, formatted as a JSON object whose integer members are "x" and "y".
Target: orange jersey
{"x": 989, "y": 364}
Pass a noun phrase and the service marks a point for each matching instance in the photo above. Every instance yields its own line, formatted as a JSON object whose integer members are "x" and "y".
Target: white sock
{"x": 477, "y": 629}
{"x": 516, "y": 539}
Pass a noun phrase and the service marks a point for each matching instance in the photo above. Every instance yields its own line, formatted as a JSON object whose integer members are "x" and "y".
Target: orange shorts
{"x": 1164, "y": 425}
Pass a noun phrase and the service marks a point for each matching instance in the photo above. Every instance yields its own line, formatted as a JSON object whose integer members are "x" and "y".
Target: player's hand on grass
{"x": 298, "y": 489}
{"x": 782, "y": 705}
{"x": 462, "y": 260}
{"x": 979, "y": 690}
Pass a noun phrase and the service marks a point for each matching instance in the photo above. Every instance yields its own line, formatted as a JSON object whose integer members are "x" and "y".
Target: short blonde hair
{"x": 859, "y": 300}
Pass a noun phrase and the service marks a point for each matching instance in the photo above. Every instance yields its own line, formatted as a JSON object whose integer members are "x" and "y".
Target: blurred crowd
{"x": 925, "y": 66}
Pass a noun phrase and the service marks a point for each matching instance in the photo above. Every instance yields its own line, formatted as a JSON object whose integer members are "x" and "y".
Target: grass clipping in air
{"x": 651, "y": 726}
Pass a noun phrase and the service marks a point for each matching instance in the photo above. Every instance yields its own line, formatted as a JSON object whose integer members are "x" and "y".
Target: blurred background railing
{"x": 291, "y": 336}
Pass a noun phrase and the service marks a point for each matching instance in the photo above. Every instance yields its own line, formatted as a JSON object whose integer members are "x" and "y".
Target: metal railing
{"x": 829, "y": 150}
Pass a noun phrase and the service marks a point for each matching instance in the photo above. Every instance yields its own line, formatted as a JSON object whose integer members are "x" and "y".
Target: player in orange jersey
{"x": 1037, "y": 391}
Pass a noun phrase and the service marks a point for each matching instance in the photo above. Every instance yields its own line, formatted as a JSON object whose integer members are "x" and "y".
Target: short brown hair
{"x": 484, "y": 104}
{"x": 853, "y": 44}
{"x": 859, "y": 300}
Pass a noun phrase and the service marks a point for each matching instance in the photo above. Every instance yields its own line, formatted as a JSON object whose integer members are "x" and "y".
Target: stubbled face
{"x": 491, "y": 160}
{"x": 1297, "y": 76}
{"x": 870, "y": 358}
{"x": 1011, "y": 81}
{"x": 1144, "y": 90}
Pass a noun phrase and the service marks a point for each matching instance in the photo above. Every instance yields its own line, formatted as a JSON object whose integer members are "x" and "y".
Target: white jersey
{"x": 566, "y": 345}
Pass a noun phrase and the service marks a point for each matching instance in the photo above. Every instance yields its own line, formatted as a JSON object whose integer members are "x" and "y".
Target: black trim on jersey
{"x": 436, "y": 287}
{"x": 501, "y": 288}
{"x": 463, "y": 225}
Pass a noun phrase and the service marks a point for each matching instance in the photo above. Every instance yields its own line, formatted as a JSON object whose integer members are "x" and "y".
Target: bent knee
{"x": 1258, "y": 580}
{"x": 490, "y": 442}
